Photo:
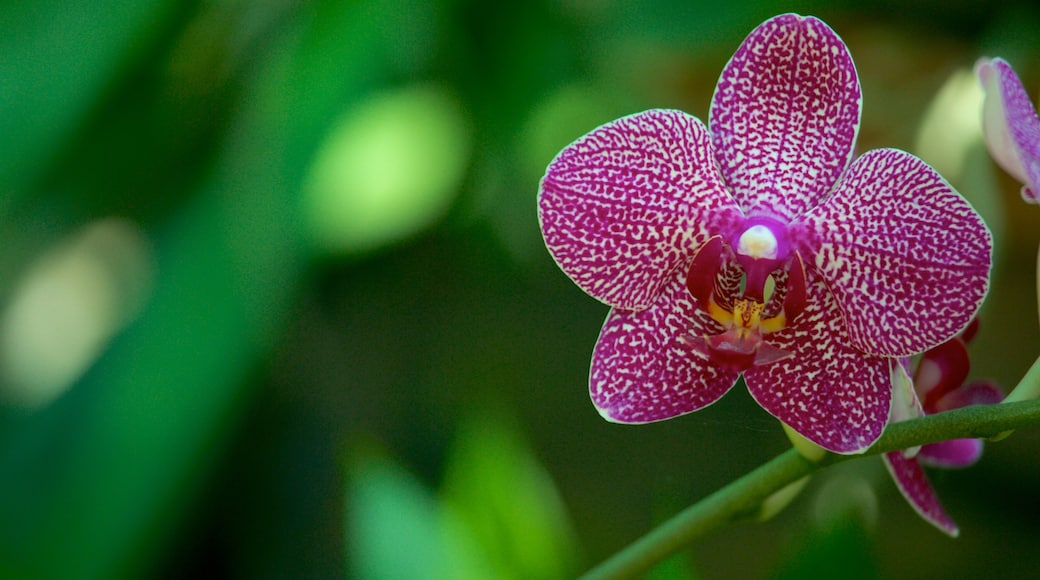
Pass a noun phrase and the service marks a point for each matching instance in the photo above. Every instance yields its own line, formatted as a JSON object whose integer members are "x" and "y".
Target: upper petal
{"x": 915, "y": 487}
{"x": 906, "y": 257}
{"x": 785, "y": 116}
{"x": 1011, "y": 125}
{"x": 829, "y": 392}
{"x": 623, "y": 206}
{"x": 642, "y": 371}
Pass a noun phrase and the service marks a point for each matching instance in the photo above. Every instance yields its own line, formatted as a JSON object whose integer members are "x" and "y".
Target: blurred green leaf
{"x": 497, "y": 487}
{"x": 393, "y": 523}
{"x": 135, "y": 436}
{"x": 56, "y": 61}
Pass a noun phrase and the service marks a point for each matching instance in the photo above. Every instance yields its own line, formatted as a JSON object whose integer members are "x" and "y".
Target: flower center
{"x": 758, "y": 242}
{"x": 761, "y": 249}
{"x": 742, "y": 315}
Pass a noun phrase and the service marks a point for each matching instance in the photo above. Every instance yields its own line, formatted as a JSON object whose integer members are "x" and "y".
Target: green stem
{"x": 746, "y": 494}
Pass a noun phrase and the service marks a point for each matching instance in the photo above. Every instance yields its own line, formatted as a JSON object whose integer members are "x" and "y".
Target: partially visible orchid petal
{"x": 828, "y": 392}
{"x": 915, "y": 487}
{"x": 906, "y": 256}
{"x": 622, "y": 207}
{"x": 974, "y": 393}
{"x": 938, "y": 382}
{"x": 905, "y": 403}
{"x": 785, "y": 116}
{"x": 643, "y": 368}
{"x": 941, "y": 371}
{"x": 1011, "y": 125}
{"x": 951, "y": 454}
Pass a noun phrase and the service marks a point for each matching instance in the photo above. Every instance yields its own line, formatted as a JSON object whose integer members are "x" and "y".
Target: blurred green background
{"x": 274, "y": 303}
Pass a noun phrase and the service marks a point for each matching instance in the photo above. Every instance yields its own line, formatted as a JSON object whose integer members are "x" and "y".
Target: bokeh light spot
{"x": 390, "y": 167}
{"x": 68, "y": 306}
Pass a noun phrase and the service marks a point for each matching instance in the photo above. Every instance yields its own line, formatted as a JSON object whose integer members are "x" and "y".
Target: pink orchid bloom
{"x": 1011, "y": 125}
{"x": 937, "y": 386}
{"x": 758, "y": 246}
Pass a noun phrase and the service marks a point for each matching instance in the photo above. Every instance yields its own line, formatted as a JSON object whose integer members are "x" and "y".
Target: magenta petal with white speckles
{"x": 915, "y": 487}
{"x": 623, "y": 206}
{"x": 642, "y": 371}
{"x": 906, "y": 257}
{"x": 785, "y": 116}
{"x": 829, "y": 392}
{"x": 1011, "y": 125}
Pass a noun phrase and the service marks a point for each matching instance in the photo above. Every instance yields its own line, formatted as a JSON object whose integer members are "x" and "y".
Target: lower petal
{"x": 827, "y": 391}
{"x": 915, "y": 487}
{"x": 642, "y": 368}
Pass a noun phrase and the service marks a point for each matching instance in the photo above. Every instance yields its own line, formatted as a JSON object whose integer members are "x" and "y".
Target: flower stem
{"x": 743, "y": 496}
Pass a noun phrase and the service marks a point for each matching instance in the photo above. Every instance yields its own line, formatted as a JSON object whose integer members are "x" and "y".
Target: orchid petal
{"x": 905, "y": 404}
{"x": 951, "y": 454}
{"x": 643, "y": 371}
{"x": 829, "y": 392}
{"x": 623, "y": 206}
{"x": 785, "y": 116}
{"x": 1011, "y": 125}
{"x": 974, "y": 393}
{"x": 906, "y": 256}
{"x": 941, "y": 371}
{"x": 915, "y": 487}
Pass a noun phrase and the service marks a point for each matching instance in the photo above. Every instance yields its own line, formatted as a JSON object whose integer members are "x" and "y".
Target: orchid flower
{"x": 1010, "y": 125}
{"x": 937, "y": 385}
{"x": 759, "y": 247}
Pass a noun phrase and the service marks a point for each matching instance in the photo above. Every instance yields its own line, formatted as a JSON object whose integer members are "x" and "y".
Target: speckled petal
{"x": 829, "y": 392}
{"x": 915, "y": 487}
{"x": 642, "y": 371}
{"x": 905, "y": 255}
{"x": 623, "y": 206}
{"x": 1011, "y": 125}
{"x": 785, "y": 116}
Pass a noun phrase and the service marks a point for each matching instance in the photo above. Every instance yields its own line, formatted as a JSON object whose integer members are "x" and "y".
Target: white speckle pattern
{"x": 1011, "y": 125}
{"x": 785, "y": 116}
{"x": 623, "y": 206}
{"x": 906, "y": 256}
{"x": 913, "y": 483}
{"x": 896, "y": 261}
{"x": 642, "y": 371}
{"x": 829, "y": 392}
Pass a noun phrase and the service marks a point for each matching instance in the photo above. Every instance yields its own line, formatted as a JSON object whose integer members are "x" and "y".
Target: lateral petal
{"x": 906, "y": 256}
{"x": 624, "y": 205}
